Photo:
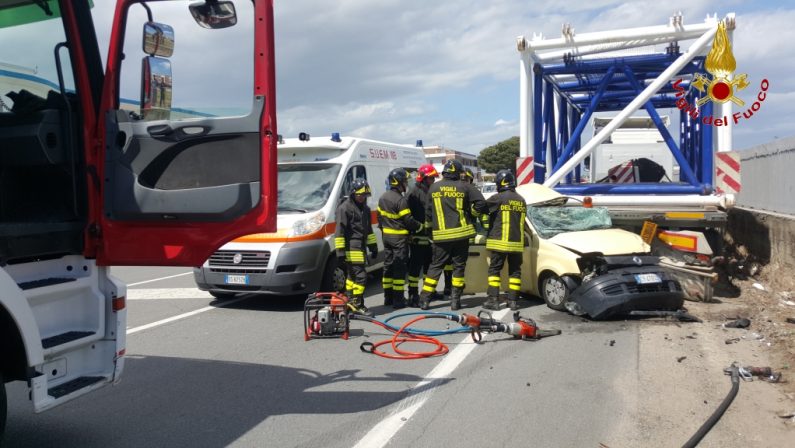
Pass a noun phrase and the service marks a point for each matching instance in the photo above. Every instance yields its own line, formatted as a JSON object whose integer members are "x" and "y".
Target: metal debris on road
{"x": 739, "y": 323}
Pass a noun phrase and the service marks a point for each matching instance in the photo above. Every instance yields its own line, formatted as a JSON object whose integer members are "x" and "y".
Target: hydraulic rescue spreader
{"x": 328, "y": 315}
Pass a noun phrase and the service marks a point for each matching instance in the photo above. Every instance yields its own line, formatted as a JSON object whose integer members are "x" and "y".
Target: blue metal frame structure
{"x": 585, "y": 86}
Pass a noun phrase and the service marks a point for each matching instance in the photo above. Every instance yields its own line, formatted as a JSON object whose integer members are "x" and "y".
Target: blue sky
{"x": 446, "y": 71}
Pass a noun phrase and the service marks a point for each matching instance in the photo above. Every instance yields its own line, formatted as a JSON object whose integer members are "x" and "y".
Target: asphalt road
{"x": 240, "y": 374}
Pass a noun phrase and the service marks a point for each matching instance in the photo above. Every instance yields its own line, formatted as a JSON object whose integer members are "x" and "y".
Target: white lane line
{"x": 158, "y": 279}
{"x": 183, "y": 316}
{"x": 383, "y": 432}
{"x": 167, "y": 294}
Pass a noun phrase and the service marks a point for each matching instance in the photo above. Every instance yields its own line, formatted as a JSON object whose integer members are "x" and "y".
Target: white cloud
{"x": 447, "y": 71}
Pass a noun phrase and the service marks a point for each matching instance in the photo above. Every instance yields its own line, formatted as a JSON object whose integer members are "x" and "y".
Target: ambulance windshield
{"x": 305, "y": 187}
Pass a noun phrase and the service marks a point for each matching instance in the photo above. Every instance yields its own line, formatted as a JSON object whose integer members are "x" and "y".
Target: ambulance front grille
{"x": 244, "y": 259}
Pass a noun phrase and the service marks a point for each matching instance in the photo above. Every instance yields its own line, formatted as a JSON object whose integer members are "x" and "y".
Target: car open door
{"x": 182, "y": 171}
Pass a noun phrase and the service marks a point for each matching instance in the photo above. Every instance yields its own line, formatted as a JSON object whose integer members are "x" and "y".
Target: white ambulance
{"x": 314, "y": 175}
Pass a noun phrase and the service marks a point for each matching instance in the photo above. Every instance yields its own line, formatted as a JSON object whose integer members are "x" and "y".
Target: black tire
{"x": 223, "y": 295}
{"x": 554, "y": 291}
{"x": 3, "y": 409}
{"x": 333, "y": 277}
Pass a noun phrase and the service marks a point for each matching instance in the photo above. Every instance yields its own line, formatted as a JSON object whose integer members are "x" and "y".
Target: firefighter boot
{"x": 414, "y": 299}
{"x": 359, "y": 308}
{"x": 387, "y": 297}
{"x": 425, "y": 300}
{"x": 491, "y": 303}
{"x": 455, "y": 299}
{"x": 512, "y": 298}
{"x": 398, "y": 300}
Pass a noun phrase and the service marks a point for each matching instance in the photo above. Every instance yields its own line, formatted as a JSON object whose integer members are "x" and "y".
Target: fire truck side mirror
{"x": 155, "y": 88}
{"x": 158, "y": 39}
{"x": 214, "y": 14}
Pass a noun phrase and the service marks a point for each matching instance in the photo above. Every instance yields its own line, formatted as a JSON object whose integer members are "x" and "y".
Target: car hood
{"x": 606, "y": 241}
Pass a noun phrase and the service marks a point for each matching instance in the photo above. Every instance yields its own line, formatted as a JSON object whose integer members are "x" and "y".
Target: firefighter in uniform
{"x": 449, "y": 215}
{"x": 354, "y": 233}
{"x": 420, "y": 249}
{"x": 507, "y": 211}
{"x": 396, "y": 223}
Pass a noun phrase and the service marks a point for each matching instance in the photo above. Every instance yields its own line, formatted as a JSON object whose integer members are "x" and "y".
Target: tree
{"x": 501, "y": 156}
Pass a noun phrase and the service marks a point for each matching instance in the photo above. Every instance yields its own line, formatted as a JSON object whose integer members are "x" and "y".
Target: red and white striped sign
{"x": 622, "y": 174}
{"x": 525, "y": 170}
{"x": 727, "y": 172}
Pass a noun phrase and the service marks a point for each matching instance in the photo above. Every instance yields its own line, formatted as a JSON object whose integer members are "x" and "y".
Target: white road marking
{"x": 167, "y": 293}
{"x": 158, "y": 279}
{"x": 183, "y": 316}
{"x": 383, "y": 432}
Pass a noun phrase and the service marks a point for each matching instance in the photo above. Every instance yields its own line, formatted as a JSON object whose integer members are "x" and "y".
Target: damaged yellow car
{"x": 576, "y": 261}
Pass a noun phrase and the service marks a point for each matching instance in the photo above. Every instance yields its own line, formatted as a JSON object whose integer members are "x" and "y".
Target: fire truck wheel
{"x": 554, "y": 291}
{"x": 223, "y": 295}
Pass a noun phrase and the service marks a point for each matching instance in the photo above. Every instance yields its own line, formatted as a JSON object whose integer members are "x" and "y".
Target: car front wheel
{"x": 555, "y": 292}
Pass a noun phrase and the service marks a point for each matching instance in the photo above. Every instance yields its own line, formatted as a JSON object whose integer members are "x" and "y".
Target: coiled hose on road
{"x": 405, "y": 333}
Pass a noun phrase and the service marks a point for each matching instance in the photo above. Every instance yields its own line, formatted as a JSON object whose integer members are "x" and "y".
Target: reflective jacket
{"x": 481, "y": 223}
{"x": 354, "y": 231}
{"x": 507, "y": 211}
{"x": 394, "y": 215}
{"x": 449, "y": 210}
{"x": 417, "y": 198}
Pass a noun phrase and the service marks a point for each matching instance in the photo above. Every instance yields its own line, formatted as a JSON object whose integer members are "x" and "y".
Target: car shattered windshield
{"x": 305, "y": 187}
{"x": 552, "y": 220}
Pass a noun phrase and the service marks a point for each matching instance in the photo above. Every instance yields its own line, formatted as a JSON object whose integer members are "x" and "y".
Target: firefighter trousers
{"x": 419, "y": 261}
{"x": 396, "y": 258}
{"x": 444, "y": 253}
{"x": 497, "y": 261}
{"x": 356, "y": 279}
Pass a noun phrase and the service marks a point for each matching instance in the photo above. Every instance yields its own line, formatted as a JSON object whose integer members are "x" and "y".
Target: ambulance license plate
{"x": 237, "y": 279}
{"x": 643, "y": 279}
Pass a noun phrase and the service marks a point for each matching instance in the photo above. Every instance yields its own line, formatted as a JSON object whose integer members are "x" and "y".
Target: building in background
{"x": 438, "y": 155}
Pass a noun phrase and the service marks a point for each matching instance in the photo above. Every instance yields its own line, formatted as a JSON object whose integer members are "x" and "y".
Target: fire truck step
{"x": 71, "y": 386}
{"x": 63, "y": 338}
{"x": 45, "y": 282}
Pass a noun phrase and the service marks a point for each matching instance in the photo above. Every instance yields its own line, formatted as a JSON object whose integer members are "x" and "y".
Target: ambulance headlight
{"x": 309, "y": 225}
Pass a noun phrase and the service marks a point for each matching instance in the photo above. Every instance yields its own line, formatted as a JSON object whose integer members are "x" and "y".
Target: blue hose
{"x": 421, "y": 332}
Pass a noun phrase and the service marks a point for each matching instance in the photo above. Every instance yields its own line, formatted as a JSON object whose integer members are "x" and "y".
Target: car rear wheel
{"x": 555, "y": 292}
{"x": 223, "y": 295}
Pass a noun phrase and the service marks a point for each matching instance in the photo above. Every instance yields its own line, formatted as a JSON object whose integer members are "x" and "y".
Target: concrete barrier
{"x": 767, "y": 237}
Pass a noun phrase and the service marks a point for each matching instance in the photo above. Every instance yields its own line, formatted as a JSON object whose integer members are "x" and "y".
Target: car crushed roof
{"x": 539, "y": 195}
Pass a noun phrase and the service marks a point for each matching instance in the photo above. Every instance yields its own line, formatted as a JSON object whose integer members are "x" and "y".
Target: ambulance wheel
{"x": 333, "y": 277}
{"x": 223, "y": 295}
{"x": 554, "y": 291}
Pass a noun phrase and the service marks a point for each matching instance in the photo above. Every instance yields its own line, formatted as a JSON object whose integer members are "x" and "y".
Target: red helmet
{"x": 426, "y": 170}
